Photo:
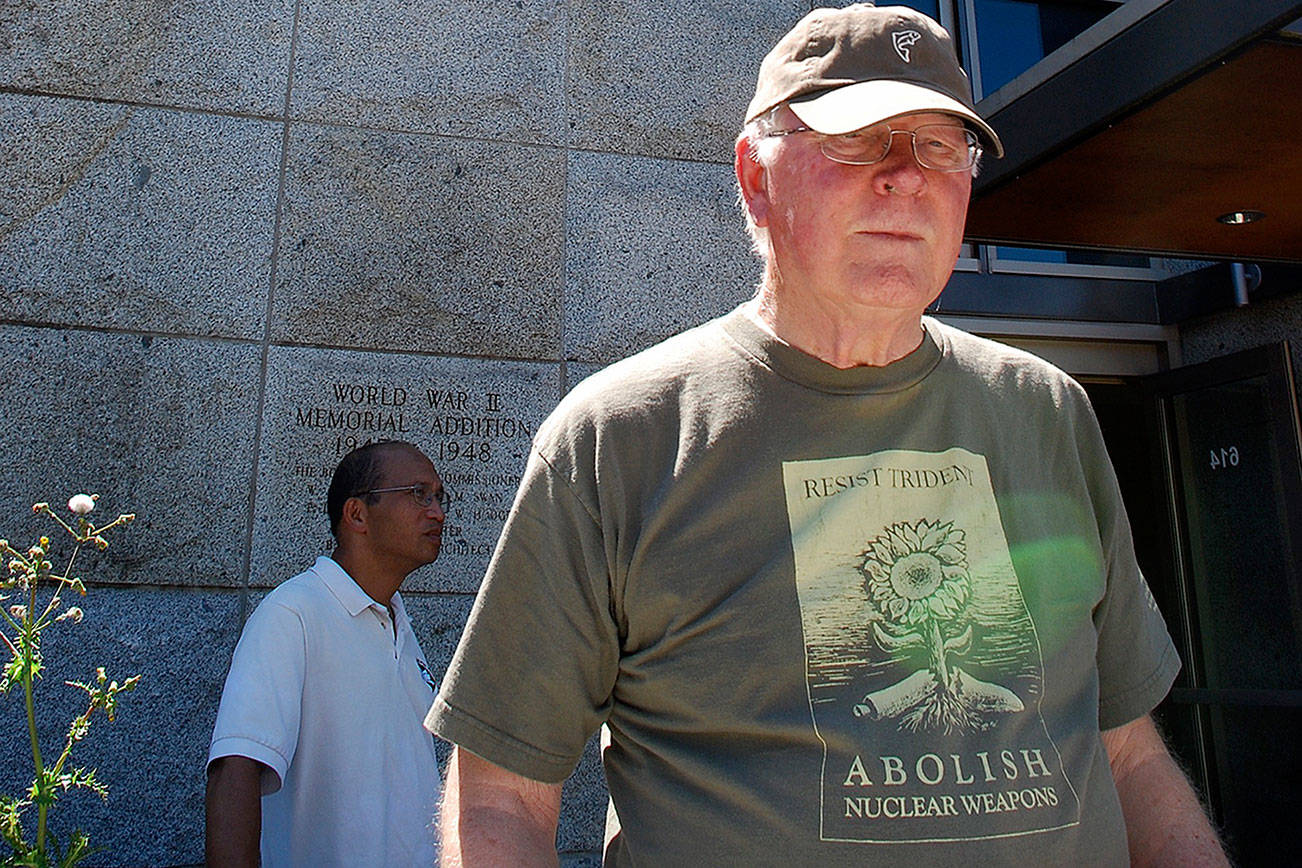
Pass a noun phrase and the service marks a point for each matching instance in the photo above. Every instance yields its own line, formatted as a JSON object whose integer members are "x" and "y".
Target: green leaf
{"x": 86, "y": 779}
{"x": 11, "y": 823}
{"x": 13, "y": 673}
{"x": 78, "y": 848}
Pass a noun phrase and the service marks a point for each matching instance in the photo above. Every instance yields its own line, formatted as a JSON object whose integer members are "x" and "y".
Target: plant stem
{"x": 67, "y": 572}
{"x": 58, "y": 585}
{"x": 29, "y": 643}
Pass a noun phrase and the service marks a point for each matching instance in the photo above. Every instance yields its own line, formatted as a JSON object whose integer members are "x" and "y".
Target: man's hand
{"x": 491, "y": 816}
{"x": 1165, "y": 824}
{"x": 233, "y": 810}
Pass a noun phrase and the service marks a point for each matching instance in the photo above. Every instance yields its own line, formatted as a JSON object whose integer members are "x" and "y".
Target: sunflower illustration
{"x": 916, "y": 575}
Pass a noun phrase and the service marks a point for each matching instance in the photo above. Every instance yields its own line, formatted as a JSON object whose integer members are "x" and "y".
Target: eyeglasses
{"x": 420, "y": 492}
{"x": 943, "y": 147}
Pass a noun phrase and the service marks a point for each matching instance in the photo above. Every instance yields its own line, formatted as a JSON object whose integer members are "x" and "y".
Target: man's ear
{"x": 355, "y": 516}
{"x": 752, "y": 179}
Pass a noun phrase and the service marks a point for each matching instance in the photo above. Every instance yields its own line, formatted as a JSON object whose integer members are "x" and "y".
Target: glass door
{"x": 1228, "y": 433}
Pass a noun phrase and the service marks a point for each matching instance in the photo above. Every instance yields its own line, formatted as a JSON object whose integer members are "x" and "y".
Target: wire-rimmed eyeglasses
{"x": 423, "y": 494}
{"x": 942, "y": 147}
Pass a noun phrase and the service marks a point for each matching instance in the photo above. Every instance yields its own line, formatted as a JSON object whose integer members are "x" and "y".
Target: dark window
{"x": 1013, "y": 35}
{"x": 926, "y": 8}
{"x": 1072, "y": 257}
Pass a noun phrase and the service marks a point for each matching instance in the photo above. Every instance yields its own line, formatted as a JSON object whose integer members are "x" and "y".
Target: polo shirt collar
{"x": 350, "y": 594}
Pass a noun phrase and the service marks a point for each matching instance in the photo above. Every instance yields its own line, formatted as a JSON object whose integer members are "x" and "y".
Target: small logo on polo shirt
{"x": 426, "y": 674}
{"x": 902, "y": 39}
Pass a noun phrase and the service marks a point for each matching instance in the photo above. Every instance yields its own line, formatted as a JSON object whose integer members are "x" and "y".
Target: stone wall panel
{"x": 473, "y": 418}
{"x": 490, "y": 68}
{"x": 654, "y": 247}
{"x": 668, "y": 80}
{"x": 422, "y": 243}
{"x": 153, "y": 755}
{"x": 162, "y": 427}
{"x": 138, "y": 219}
{"x": 228, "y": 56}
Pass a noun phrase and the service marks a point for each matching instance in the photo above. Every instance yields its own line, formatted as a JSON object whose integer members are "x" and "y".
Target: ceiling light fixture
{"x": 1239, "y": 218}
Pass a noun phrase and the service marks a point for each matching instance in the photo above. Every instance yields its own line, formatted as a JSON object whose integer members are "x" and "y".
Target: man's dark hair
{"x": 360, "y": 470}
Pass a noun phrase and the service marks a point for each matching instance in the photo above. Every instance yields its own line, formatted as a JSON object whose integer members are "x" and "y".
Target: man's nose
{"x": 899, "y": 171}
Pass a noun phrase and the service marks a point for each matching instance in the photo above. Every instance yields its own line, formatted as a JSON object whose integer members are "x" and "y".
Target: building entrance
{"x": 1210, "y": 470}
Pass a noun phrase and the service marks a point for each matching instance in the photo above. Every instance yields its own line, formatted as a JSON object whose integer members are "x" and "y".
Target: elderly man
{"x": 318, "y": 748}
{"x": 844, "y": 585}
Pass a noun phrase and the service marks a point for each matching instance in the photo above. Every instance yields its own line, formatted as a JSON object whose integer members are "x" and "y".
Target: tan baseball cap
{"x": 844, "y": 69}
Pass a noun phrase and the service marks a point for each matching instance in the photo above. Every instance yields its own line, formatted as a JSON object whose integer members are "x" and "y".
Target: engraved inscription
{"x": 475, "y": 437}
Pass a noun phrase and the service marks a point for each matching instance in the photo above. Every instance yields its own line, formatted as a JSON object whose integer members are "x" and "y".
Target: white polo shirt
{"x": 322, "y": 693}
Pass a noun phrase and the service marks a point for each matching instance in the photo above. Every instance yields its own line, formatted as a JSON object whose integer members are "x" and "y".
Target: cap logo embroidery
{"x": 902, "y": 39}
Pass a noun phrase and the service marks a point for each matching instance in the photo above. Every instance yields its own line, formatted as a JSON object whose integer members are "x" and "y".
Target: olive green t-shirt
{"x": 828, "y": 616}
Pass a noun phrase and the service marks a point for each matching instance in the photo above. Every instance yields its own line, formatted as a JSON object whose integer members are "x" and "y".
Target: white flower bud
{"x": 81, "y": 503}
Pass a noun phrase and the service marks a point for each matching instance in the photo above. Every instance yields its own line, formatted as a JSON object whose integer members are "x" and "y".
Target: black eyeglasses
{"x": 420, "y": 492}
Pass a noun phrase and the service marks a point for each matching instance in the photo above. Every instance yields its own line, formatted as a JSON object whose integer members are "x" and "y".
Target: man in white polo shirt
{"x": 318, "y": 749}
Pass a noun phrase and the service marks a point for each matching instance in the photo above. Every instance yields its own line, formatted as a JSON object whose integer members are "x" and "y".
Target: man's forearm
{"x": 233, "y": 813}
{"x": 491, "y": 817}
{"x": 1165, "y": 824}
{"x": 483, "y": 836}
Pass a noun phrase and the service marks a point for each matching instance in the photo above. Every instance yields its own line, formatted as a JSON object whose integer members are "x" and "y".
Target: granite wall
{"x": 238, "y": 238}
{"x": 1261, "y": 323}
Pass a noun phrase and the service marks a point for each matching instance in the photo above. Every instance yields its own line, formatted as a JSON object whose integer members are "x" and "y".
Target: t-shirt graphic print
{"x": 922, "y": 663}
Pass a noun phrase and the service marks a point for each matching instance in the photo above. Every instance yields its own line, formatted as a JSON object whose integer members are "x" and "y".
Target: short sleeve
{"x": 533, "y": 674}
{"x": 261, "y": 702}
